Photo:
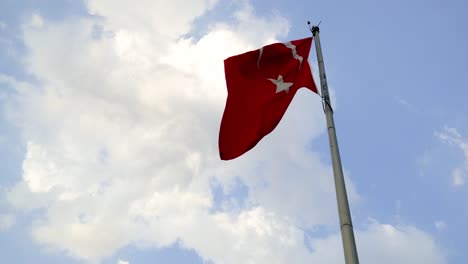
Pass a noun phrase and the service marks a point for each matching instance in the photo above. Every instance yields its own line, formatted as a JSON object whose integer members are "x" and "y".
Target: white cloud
{"x": 36, "y": 20}
{"x": 383, "y": 243}
{"x": 440, "y": 225}
{"x": 121, "y": 142}
{"x": 117, "y": 142}
{"x": 122, "y": 262}
{"x": 458, "y": 177}
{"x": 151, "y": 17}
{"x": 404, "y": 103}
{"x": 453, "y": 137}
{"x": 6, "y": 221}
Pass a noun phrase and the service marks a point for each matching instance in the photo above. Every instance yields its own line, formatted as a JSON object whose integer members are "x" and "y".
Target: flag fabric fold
{"x": 261, "y": 84}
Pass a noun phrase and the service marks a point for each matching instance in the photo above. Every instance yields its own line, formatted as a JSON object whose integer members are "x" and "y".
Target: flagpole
{"x": 347, "y": 233}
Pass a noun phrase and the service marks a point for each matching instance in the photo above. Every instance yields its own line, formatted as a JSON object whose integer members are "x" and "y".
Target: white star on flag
{"x": 280, "y": 84}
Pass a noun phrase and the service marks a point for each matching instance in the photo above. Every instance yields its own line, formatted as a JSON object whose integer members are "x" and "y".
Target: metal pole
{"x": 347, "y": 233}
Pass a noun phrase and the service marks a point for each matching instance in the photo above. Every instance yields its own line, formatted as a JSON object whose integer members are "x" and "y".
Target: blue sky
{"x": 110, "y": 113}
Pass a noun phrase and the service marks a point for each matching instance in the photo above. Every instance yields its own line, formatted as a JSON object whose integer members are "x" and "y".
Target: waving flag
{"x": 261, "y": 84}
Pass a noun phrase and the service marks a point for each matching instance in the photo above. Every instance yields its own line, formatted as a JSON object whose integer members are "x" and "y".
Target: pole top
{"x": 314, "y": 29}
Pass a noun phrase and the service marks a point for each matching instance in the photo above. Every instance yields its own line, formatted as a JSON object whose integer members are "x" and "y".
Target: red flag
{"x": 261, "y": 84}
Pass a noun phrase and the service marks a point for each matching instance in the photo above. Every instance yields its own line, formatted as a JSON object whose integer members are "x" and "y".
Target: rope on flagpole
{"x": 325, "y": 99}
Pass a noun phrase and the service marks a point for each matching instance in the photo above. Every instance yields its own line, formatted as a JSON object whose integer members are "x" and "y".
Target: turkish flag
{"x": 261, "y": 84}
